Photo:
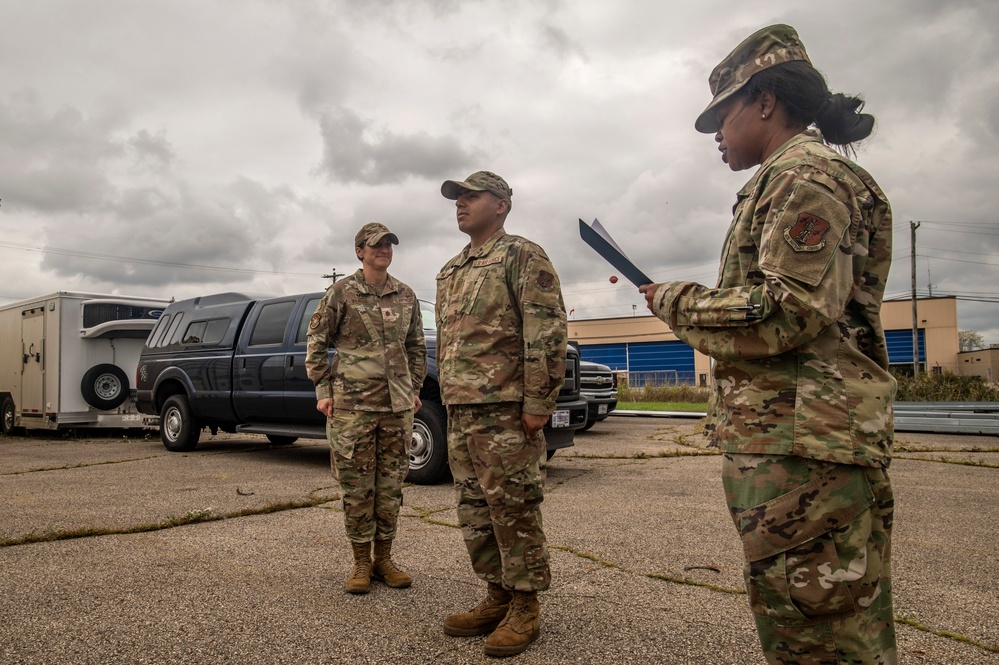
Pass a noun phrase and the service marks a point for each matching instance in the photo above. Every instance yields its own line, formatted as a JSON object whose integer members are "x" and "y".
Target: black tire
{"x": 7, "y": 417}
{"x": 105, "y": 386}
{"x": 551, "y": 453}
{"x": 428, "y": 449}
{"x": 280, "y": 440}
{"x": 588, "y": 425}
{"x": 178, "y": 428}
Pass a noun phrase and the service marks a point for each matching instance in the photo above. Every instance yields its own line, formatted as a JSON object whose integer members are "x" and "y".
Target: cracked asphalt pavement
{"x": 114, "y": 550}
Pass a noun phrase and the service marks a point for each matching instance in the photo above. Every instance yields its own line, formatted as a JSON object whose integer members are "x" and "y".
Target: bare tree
{"x": 969, "y": 340}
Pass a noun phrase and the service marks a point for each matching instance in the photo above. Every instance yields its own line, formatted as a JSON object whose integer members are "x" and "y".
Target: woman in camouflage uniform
{"x": 802, "y": 408}
{"x": 369, "y": 395}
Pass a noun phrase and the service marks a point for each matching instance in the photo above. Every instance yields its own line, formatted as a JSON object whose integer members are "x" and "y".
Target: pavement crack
{"x": 191, "y": 517}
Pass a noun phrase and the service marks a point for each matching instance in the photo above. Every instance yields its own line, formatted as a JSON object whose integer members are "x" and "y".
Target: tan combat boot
{"x": 520, "y": 627}
{"x": 360, "y": 578}
{"x": 385, "y": 570}
{"x": 482, "y": 618}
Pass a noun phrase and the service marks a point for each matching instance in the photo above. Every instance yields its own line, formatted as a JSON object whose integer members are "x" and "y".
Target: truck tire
{"x": 588, "y": 425}
{"x": 178, "y": 428}
{"x": 7, "y": 417}
{"x": 281, "y": 440}
{"x": 428, "y": 449}
{"x": 105, "y": 386}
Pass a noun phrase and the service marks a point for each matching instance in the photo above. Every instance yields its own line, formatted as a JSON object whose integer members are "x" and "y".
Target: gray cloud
{"x": 353, "y": 152}
{"x": 151, "y": 151}
{"x": 53, "y": 161}
{"x": 260, "y": 139}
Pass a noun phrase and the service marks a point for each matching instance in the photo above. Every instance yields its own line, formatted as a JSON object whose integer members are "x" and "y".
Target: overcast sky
{"x": 182, "y": 148}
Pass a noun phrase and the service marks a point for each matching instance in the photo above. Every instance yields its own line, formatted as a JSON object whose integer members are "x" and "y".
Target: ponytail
{"x": 806, "y": 97}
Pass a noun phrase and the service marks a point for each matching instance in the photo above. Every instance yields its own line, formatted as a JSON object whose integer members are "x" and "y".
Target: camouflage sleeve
{"x": 544, "y": 328}
{"x": 416, "y": 348}
{"x": 322, "y": 328}
{"x": 807, "y": 265}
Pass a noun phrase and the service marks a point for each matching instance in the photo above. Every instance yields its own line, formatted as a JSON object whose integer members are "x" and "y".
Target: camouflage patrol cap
{"x": 765, "y": 48}
{"x": 480, "y": 181}
{"x": 372, "y": 233}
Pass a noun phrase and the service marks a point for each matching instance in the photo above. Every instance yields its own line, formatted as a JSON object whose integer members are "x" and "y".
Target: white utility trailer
{"x": 68, "y": 360}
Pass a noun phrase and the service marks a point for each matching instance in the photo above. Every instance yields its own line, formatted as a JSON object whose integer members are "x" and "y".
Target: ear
{"x": 767, "y": 102}
{"x": 503, "y": 207}
{"x": 360, "y": 253}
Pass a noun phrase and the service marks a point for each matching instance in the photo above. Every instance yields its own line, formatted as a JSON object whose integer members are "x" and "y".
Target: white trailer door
{"x": 32, "y": 400}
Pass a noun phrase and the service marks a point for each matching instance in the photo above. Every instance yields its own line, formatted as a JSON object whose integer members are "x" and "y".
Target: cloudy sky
{"x": 185, "y": 147}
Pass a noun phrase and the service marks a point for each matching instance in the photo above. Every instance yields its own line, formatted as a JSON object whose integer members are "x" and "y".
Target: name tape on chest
{"x": 481, "y": 263}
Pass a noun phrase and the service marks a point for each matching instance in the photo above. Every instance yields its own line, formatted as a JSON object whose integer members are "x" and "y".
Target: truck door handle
{"x": 291, "y": 361}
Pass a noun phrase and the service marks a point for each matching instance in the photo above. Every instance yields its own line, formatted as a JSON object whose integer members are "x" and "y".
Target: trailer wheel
{"x": 7, "y": 417}
{"x": 104, "y": 386}
{"x": 428, "y": 449}
{"x": 178, "y": 428}
{"x": 281, "y": 440}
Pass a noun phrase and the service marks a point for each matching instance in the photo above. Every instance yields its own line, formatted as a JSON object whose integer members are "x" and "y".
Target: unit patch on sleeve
{"x": 807, "y": 233}
{"x": 315, "y": 321}
{"x": 545, "y": 280}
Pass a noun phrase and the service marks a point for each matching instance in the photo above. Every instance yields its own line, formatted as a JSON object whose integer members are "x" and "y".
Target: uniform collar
{"x": 391, "y": 284}
{"x": 485, "y": 248}
{"x": 807, "y": 136}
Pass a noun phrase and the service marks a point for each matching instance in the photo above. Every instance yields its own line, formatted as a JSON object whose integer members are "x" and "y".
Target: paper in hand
{"x": 599, "y": 239}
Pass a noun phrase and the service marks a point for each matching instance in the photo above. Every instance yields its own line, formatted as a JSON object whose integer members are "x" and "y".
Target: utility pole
{"x": 915, "y": 313}
{"x": 334, "y": 276}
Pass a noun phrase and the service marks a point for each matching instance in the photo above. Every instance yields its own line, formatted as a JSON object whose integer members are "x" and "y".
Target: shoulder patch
{"x": 807, "y": 233}
{"x": 545, "y": 280}
{"x": 314, "y": 322}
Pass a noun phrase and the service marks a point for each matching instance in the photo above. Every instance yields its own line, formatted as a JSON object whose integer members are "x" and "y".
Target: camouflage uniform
{"x": 500, "y": 351}
{"x": 378, "y": 369}
{"x": 802, "y": 406}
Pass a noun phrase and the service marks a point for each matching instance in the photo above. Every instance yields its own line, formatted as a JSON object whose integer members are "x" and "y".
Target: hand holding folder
{"x": 598, "y": 238}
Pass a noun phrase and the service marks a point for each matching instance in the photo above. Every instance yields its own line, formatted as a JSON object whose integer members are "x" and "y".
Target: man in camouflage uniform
{"x": 501, "y": 360}
{"x": 802, "y": 407}
{"x": 369, "y": 395}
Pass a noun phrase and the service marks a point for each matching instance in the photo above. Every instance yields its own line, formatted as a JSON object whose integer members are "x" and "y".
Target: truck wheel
{"x": 7, "y": 417}
{"x": 428, "y": 449}
{"x": 279, "y": 440}
{"x": 104, "y": 386}
{"x": 178, "y": 428}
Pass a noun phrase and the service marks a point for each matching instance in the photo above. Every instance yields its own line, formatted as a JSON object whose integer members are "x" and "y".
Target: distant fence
{"x": 664, "y": 377}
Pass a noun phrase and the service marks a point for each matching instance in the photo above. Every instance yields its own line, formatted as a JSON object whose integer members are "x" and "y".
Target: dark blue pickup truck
{"x": 236, "y": 362}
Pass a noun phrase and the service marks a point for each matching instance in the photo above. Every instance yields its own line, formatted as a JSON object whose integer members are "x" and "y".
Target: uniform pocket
{"x": 339, "y": 431}
{"x": 808, "y": 550}
{"x": 507, "y": 452}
